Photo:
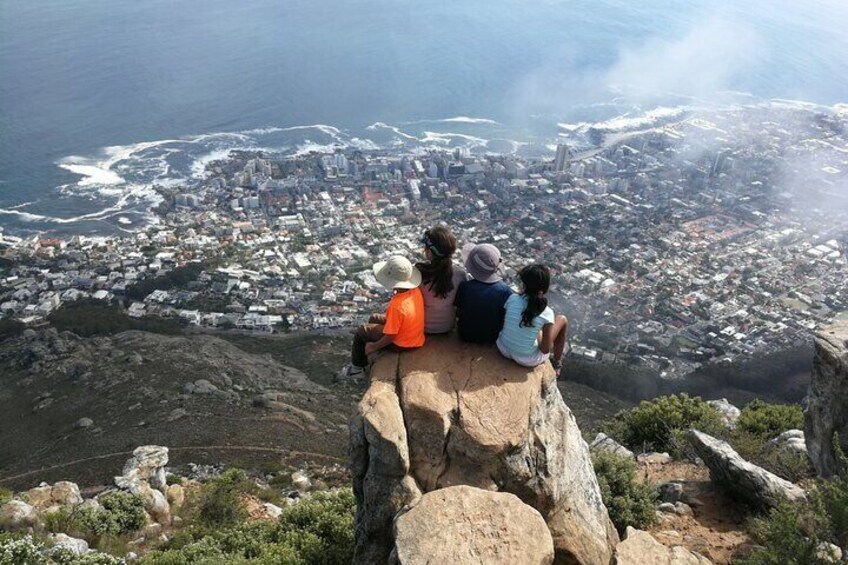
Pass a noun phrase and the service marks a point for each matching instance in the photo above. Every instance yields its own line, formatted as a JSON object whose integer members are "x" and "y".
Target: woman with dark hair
{"x": 439, "y": 280}
{"x": 531, "y": 333}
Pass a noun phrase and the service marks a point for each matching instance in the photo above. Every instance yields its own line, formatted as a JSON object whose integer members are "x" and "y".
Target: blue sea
{"x": 102, "y": 99}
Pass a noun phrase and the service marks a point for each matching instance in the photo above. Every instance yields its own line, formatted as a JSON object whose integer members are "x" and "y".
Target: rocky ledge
{"x": 453, "y": 414}
{"x": 826, "y": 414}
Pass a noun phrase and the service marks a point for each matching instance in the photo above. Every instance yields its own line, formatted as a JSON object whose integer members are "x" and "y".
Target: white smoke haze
{"x": 701, "y": 66}
{"x": 706, "y": 61}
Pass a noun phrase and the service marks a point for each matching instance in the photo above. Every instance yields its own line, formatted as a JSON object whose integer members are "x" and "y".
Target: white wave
{"x": 92, "y": 174}
{"x": 574, "y": 128}
{"x": 394, "y": 129}
{"x": 329, "y": 130}
{"x": 363, "y": 144}
{"x": 312, "y": 147}
{"x": 797, "y": 105}
{"x": 467, "y": 120}
{"x": 447, "y": 138}
{"x": 198, "y": 166}
{"x": 648, "y": 119}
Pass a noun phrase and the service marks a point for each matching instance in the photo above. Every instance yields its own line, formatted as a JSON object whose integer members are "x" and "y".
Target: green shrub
{"x": 121, "y": 513}
{"x": 791, "y": 465}
{"x": 126, "y": 510}
{"x": 5, "y": 495}
{"x": 316, "y": 531}
{"x": 27, "y": 550}
{"x": 791, "y": 534}
{"x": 629, "y": 502}
{"x": 10, "y": 328}
{"x": 220, "y": 500}
{"x": 660, "y": 424}
{"x": 768, "y": 421}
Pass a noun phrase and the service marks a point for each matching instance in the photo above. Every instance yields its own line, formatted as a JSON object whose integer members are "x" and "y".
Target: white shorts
{"x": 526, "y": 360}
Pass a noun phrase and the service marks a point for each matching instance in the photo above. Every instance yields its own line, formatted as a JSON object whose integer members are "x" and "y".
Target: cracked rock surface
{"x": 826, "y": 413}
{"x": 452, "y": 414}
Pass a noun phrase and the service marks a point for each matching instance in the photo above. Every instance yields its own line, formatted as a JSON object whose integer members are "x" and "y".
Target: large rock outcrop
{"x": 466, "y": 526}
{"x": 640, "y": 548}
{"x": 456, "y": 414}
{"x": 748, "y": 481}
{"x": 826, "y": 413}
{"x": 144, "y": 475}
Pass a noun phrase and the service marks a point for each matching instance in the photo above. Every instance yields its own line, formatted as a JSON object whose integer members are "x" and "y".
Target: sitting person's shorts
{"x": 527, "y": 361}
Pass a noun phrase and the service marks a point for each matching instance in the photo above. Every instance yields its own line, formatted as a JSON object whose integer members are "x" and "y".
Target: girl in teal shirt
{"x": 531, "y": 332}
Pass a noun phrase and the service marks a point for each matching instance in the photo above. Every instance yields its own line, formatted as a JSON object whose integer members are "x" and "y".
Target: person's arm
{"x": 376, "y": 346}
{"x": 391, "y": 328}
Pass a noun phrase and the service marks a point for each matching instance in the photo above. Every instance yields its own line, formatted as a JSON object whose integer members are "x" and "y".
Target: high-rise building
{"x": 563, "y": 156}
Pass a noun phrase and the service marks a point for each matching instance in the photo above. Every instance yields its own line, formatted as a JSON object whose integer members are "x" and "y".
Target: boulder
{"x": 745, "y": 479}
{"x": 654, "y": 458}
{"x": 144, "y": 475}
{"x": 300, "y": 482}
{"x": 453, "y": 414}
{"x": 729, "y": 413}
{"x": 464, "y": 525}
{"x": 790, "y": 441}
{"x": 175, "y": 495}
{"x": 74, "y": 545}
{"x": 147, "y": 464}
{"x": 605, "y": 444}
{"x": 18, "y": 515}
{"x": 83, "y": 423}
{"x": 66, "y": 493}
{"x": 640, "y": 548}
{"x": 826, "y": 411}
{"x": 39, "y": 497}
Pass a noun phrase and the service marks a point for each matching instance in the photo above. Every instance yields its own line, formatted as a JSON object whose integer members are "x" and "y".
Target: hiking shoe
{"x": 557, "y": 365}
{"x": 350, "y": 372}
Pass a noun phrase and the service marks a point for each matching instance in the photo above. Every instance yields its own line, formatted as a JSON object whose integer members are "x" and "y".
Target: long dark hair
{"x": 536, "y": 280}
{"x": 438, "y": 271}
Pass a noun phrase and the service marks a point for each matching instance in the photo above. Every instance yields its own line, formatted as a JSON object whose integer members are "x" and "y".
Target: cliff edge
{"x": 453, "y": 414}
{"x": 826, "y": 413}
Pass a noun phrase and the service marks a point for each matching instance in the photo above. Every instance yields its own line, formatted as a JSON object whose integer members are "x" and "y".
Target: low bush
{"x": 5, "y": 495}
{"x": 10, "y": 328}
{"x": 768, "y": 421}
{"x": 793, "y": 534}
{"x": 27, "y": 550}
{"x": 126, "y": 511}
{"x": 316, "y": 531}
{"x": 660, "y": 424}
{"x": 220, "y": 500}
{"x": 630, "y": 503}
{"x": 121, "y": 513}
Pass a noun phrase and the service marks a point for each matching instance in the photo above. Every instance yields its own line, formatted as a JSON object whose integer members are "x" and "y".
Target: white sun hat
{"x": 397, "y": 272}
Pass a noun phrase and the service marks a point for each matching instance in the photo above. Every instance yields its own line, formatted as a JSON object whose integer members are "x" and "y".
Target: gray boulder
{"x": 729, "y": 413}
{"x": 790, "y": 441}
{"x": 454, "y": 414}
{"x": 826, "y": 410}
{"x": 746, "y": 480}
{"x": 144, "y": 475}
{"x": 18, "y": 515}
{"x": 605, "y": 444}
{"x": 74, "y": 545}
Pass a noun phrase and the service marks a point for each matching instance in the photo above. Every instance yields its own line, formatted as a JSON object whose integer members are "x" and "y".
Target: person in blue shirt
{"x": 532, "y": 333}
{"x": 480, "y": 302}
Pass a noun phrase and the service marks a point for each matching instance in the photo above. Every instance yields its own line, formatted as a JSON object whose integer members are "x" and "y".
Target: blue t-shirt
{"x": 480, "y": 310}
{"x": 522, "y": 341}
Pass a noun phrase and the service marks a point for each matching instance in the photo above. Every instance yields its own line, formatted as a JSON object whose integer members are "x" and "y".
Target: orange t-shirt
{"x": 405, "y": 319}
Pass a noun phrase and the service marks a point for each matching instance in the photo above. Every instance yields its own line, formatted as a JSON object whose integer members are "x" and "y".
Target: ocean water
{"x": 100, "y": 99}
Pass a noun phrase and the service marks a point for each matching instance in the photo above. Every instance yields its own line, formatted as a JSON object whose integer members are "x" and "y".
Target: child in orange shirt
{"x": 401, "y": 327}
